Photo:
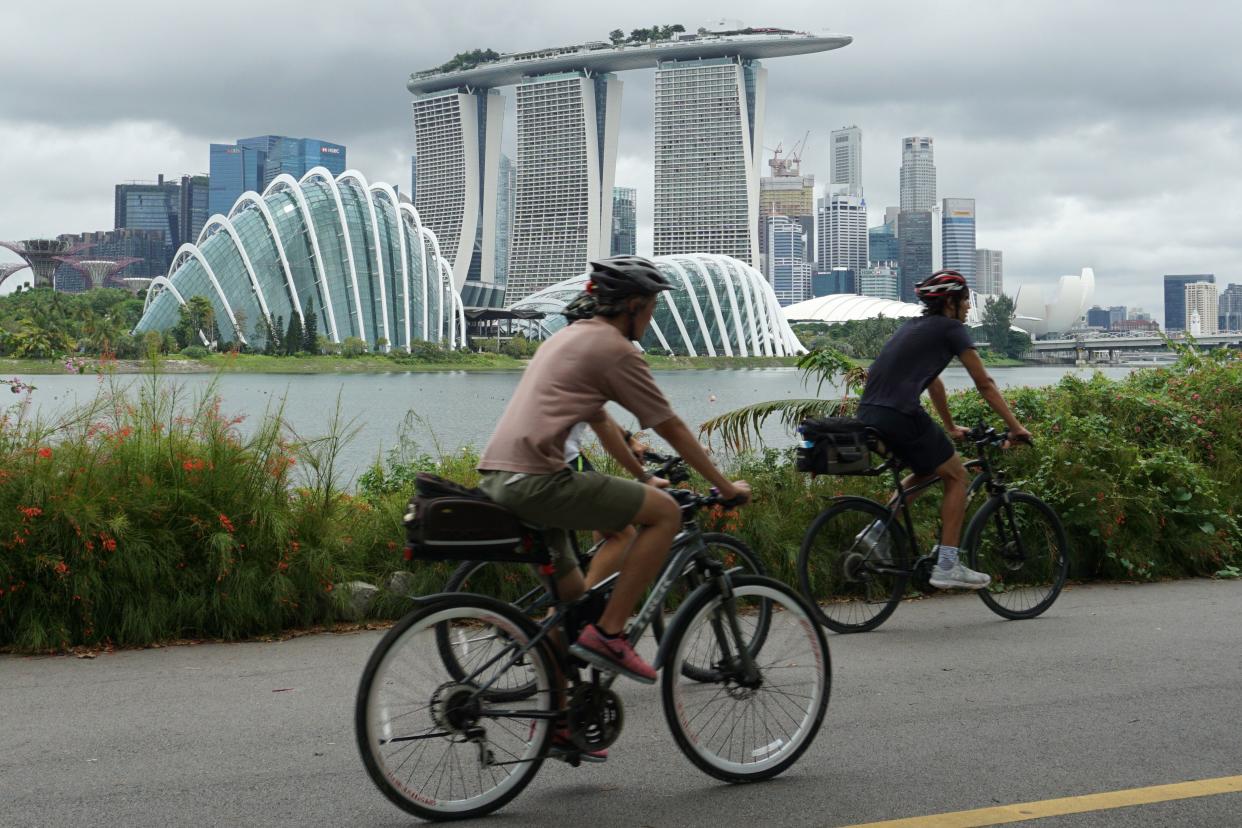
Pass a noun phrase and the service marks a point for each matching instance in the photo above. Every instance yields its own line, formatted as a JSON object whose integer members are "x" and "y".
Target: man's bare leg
{"x": 660, "y": 520}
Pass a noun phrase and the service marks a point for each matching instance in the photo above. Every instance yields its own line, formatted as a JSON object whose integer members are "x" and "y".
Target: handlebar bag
{"x": 449, "y": 522}
{"x": 833, "y": 445}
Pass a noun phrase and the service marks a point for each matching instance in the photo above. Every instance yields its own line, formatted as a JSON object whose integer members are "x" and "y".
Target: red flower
{"x": 61, "y": 568}
{"x": 45, "y": 453}
{"x": 109, "y": 544}
{"x": 30, "y": 511}
{"x": 226, "y": 523}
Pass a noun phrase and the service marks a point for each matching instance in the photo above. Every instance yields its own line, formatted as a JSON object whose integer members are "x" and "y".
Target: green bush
{"x": 194, "y": 351}
{"x": 147, "y": 516}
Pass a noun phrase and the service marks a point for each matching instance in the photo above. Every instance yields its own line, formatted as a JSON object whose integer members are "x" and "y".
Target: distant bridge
{"x": 1110, "y": 348}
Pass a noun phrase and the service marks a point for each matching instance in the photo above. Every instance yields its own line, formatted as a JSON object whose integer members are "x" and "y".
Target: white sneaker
{"x": 959, "y": 577}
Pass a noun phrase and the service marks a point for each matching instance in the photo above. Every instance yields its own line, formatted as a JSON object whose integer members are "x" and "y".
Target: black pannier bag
{"x": 833, "y": 445}
{"x": 447, "y": 521}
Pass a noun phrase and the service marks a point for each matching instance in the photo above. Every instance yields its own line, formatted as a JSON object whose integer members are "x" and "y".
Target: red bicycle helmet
{"x": 942, "y": 283}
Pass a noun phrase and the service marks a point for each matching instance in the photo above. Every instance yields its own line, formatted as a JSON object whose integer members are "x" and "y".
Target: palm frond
{"x": 736, "y": 428}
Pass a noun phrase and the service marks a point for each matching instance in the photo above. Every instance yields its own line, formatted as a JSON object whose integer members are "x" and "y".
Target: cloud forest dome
{"x": 722, "y": 307}
{"x": 344, "y": 249}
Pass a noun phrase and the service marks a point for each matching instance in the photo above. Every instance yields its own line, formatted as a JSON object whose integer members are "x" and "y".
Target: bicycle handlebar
{"x": 985, "y": 435}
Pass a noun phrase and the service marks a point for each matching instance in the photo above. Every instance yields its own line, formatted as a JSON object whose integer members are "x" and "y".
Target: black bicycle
{"x": 447, "y": 746}
{"x": 525, "y": 589}
{"x": 858, "y": 556}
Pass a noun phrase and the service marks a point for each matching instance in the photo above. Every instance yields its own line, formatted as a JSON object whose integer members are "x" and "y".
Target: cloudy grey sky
{"x": 1103, "y": 134}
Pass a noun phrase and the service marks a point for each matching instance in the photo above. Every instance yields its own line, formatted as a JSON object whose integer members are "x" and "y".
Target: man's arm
{"x": 940, "y": 401}
{"x": 689, "y": 449}
{"x": 988, "y": 390}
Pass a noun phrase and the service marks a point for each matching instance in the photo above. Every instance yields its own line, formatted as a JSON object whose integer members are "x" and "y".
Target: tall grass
{"x": 150, "y": 514}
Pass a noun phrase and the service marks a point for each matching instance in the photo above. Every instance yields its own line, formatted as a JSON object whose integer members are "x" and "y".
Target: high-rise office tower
{"x": 957, "y": 229}
{"x": 1116, "y": 313}
{"x": 880, "y": 279}
{"x": 786, "y": 192}
{"x": 624, "y": 221}
{"x": 843, "y": 238}
{"x": 1202, "y": 309}
{"x": 1175, "y": 297}
{"x": 505, "y": 185}
{"x": 708, "y": 141}
{"x": 193, "y": 212}
{"x": 1098, "y": 317}
{"x": 846, "y": 146}
{"x": 252, "y": 164}
{"x": 566, "y": 159}
{"x": 413, "y": 176}
{"x": 1229, "y": 309}
{"x": 457, "y": 143}
{"x": 918, "y": 174}
{"x": 882, "y": 244}
{"x": 789, "y": 270}
{"x": 916, "y": 249}
{"x": 989, "y": 271}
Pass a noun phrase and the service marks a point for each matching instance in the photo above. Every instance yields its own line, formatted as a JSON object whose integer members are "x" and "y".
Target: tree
{"x": 617, "y": 37}
{"x": 353, "y": 346}
{"x": 310, "y": 332}
{"x": 293, "y": 335}
{"x": 998, "y": 313}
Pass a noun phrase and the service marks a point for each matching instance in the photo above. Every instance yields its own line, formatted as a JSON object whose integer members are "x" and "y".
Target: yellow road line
{"x": 1068, "y": 805}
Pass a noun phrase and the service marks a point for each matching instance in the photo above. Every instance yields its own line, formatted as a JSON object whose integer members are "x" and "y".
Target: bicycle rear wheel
{"x": 734, "y": 727}
{"x": 1027, "y": 557}
{"x": 517, "y": 584}
{"x": 440, "y": 746}
{"x": 853, "y": 582}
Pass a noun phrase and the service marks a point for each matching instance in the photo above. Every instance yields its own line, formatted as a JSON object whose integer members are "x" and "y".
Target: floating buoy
{"x": 711, "y": 397}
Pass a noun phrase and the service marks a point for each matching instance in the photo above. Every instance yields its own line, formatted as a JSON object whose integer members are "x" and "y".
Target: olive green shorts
{"x": 564, "y": 501}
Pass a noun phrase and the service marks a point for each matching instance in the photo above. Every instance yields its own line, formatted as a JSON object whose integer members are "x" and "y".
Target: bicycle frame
{"x": 687, "y": 546}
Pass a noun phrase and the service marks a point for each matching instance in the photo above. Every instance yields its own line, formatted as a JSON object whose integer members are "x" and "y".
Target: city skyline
{"x": 1066, "y": 181}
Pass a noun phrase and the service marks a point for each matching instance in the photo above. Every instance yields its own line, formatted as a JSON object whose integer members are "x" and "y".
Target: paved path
{"x": 944, "y": 708}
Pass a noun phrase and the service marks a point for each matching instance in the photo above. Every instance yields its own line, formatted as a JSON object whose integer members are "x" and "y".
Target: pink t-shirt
{"x": 571, "y": 376}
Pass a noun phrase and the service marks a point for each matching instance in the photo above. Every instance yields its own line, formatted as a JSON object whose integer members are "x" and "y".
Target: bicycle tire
{"x": 745, "y": 562}
{"x": 1000, "y": 566}
{"x": 823, "y": 568}
{"x": 373, "y": 714}
{"x": 777, "y": 751}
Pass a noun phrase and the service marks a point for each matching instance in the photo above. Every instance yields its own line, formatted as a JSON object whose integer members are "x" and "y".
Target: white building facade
{"x": 566, "y": 161}
{"x": 880, "y": 280}
{"x": 843, "y": 239}
{"x": 989, "y": 271}
{"x": 1202, "y": 309}
{"x": 457, "y": 147}
{"x": 708, "y": 143}
{"x": 846, "y": 159}
{"x": 918, "y": 174}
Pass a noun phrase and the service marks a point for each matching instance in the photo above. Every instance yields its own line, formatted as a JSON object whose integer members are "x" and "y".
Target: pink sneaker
{"x": 612, "y": 654}
{"x": 564, "y": 749}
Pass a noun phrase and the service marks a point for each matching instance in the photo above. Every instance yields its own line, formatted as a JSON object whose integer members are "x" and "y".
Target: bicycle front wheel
{"x": 745, "y": 726}
{"x": 441, "y": 746}
{"x": 853, "y": 579}
{"x": 738, "y": 559}
{"x": 1023, "y": 547}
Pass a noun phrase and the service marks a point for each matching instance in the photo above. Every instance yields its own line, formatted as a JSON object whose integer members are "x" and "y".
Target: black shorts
{"x": 916, "y": 439}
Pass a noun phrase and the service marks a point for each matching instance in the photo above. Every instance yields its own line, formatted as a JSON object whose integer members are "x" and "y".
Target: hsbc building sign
{"x": 330, "y": 150}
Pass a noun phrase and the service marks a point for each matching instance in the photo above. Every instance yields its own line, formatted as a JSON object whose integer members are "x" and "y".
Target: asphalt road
{"x": 944, "y": 708}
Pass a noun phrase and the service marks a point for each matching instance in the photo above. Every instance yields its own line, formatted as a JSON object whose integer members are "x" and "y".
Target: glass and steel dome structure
{"x": 722, "y": 307}
{"x": 847, "y": 307}
{"x": 347, "y": 250}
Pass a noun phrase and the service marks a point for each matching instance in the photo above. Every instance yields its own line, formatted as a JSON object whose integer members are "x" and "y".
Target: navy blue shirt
{"x": 911, "y": 359}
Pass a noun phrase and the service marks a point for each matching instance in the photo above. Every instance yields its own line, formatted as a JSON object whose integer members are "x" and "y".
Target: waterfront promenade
{"x": 944, "y": 709}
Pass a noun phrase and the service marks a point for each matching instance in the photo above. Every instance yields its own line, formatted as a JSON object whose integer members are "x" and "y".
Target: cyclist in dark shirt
{"x": 909, "y": 364}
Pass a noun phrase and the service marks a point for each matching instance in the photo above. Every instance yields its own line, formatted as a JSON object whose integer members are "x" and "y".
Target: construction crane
{"x": 790, "y": 165}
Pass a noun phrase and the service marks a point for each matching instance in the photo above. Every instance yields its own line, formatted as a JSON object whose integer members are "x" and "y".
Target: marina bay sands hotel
{"x": 709, "y": 109}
